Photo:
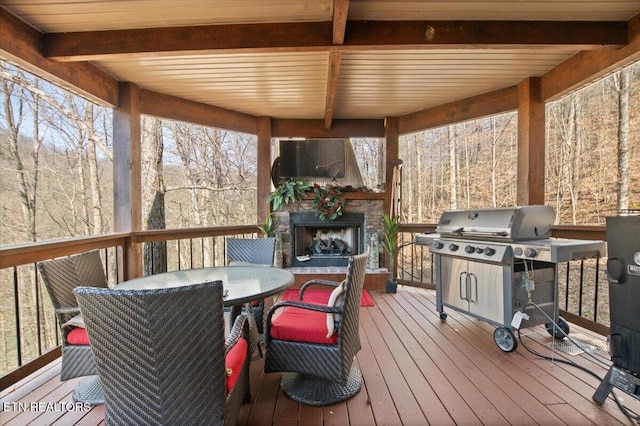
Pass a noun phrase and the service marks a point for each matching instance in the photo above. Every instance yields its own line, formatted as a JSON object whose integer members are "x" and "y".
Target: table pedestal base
{"x": 89, "y": 391}
{"x": 318, "y": 392}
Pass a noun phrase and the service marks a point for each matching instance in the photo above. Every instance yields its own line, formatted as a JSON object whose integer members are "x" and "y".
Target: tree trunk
{"x": 155, "y": 253}
{"x": 453, "y": 181}
{"x": 623, "y": 141}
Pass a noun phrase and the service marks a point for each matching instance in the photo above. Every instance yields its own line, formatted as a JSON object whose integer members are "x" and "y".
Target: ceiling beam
{"x": 174, "y": 108}
{"x": 588, "y": 66}
{"x": 21, "y": 44}
{"x": 319, "y": 36}
{"x": 496, "y": 102}
{"x": 488, "y": 34}
{"x": 332, "y": 86}
{"x": 340, "y": 12}
{"x": 282, "y": 128}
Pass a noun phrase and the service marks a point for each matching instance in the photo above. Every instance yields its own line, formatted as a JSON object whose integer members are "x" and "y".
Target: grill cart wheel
{"x": 443, "y": 316}
{"x": 555, "y": 332}
{"x": 505, "y": 339}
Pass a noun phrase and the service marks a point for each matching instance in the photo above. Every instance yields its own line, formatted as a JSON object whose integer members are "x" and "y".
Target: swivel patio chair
{"x": 315, "y": 344}
{"x": 162, "y": 357}
{"x": 60, "y": 277}
{"x": 258, "y": 251}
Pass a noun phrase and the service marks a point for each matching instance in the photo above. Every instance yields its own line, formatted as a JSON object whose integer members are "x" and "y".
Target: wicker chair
{"x": 161, "y": 354}
{"x": 318, "y": 370}
{"x": 259, "y": 251}
{"x": 60, "y": 277}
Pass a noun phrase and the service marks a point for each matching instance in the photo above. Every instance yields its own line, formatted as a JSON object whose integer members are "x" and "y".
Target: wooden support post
{"x": 531, "y": 143}
{"x": 264, "y": 168}
{"x": 392, "y": 136}
{"x": 127, "y": 188}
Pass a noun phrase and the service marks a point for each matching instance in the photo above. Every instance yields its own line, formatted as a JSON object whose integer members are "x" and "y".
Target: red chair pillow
{"x": 78, "y": 336}
{"x": 302, "y": 325}
{"x": 234, "y": 361}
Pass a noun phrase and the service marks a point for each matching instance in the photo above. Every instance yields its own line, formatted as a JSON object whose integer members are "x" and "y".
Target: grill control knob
{"x": 453, "y": 247}
{"x": 437, "y": 245}
{"x": 469, "y": 249}
{"x": 489, "y": 251}
{"x": 518, "y": 251}
{"x": 479, "y": 250}
{"x": 530, "y": 252}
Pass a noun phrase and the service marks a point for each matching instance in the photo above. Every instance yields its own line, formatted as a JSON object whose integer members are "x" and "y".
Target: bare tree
{"x": 15, "y": 100}
{"x": 622, "y": 87}
{"x": 155, "y": 253}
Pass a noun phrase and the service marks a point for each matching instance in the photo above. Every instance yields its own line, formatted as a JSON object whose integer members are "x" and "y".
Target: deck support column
{"x": 531, "y": 143}
{"x": 392, "y": 136}
{"x": 127, "y": 176}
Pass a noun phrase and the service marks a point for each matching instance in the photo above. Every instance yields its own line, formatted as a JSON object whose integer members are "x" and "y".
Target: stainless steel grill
{"x": 495, "y": 263}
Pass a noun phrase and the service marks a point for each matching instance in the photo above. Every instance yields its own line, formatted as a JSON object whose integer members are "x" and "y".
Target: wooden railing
{"x": 29, "y": 333}
{"x": 30, "y": 336}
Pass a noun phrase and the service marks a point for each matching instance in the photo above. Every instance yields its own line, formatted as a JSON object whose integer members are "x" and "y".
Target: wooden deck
{"x": 417, "y": 370}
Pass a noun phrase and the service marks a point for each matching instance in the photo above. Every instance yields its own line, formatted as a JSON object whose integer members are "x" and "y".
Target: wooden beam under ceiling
{"x": 589, "y": 66}
{"x": 20, "y": 44}
{"x": 333, "y": 76}
{"x": 174, "y": 108}
{"x": 318, "y": 36}
{"x": 496, "y": 102}
{"x": 340, "y": 12}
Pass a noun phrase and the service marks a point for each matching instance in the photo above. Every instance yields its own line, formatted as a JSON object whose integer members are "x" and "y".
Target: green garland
{"x": 327, "y": 202}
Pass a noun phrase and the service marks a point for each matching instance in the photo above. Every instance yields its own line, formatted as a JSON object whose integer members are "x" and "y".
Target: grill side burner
{"x": 492, "y": 263}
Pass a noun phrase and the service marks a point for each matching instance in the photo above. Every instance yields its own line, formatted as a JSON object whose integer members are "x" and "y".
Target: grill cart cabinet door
{"x": 454, "y": 287}
{"x": 474, "y": 288}
{"x": 486, "y": 295}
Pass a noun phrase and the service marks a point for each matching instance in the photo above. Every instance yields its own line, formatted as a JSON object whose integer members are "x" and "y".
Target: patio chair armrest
{"x": 240, "y": 329}
{"x": 73, "y": 310}
{"x": 319, "y": 282}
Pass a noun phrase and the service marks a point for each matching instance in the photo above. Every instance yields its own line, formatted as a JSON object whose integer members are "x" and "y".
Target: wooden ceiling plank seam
{"x": 374, "y": 35}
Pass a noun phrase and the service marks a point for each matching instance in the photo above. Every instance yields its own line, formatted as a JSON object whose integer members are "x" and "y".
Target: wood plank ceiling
{"x": 325, "y": 59}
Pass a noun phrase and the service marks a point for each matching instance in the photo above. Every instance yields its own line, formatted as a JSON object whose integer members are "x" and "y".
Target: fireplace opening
{"x": 318, "y": 242}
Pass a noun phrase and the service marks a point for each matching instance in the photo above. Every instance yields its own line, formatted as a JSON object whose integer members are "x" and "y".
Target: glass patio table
{"x": 242, "y": 284}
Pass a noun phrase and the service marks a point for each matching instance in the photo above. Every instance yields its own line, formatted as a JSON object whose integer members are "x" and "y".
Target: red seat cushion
{"x": 234, "y": 361}
{"x": 302, "y": 325}
{"x": 78, "y": 336}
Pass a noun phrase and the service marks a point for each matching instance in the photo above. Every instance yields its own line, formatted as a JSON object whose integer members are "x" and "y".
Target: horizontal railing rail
{"x": 31, "y": 338}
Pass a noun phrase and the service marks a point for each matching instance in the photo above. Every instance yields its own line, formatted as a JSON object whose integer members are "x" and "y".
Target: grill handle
{"x": 472, "y": 278}
{"x": 466, "y": 285}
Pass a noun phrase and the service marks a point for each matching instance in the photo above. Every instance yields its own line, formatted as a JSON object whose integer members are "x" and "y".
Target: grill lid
{"x": 506, "y": 223}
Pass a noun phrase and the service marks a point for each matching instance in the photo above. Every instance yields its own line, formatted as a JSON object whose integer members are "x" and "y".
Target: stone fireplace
{"x": 318, "y": 243}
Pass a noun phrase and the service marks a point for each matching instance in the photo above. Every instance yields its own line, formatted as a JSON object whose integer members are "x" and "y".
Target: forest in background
{"x": 56, "y": 163}
{"x": 473, "y": 164}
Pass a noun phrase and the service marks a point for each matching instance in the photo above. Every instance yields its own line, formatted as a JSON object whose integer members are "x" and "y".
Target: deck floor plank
{"x": 396, "y": 335}
{"x": 394, "y": 370}
{"x": 465, "y": 403}
{"x": 416, "y": 369}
